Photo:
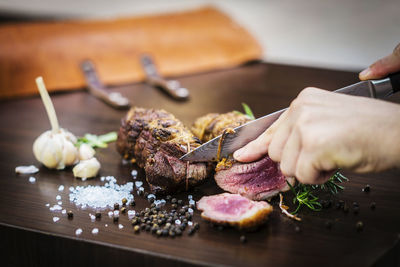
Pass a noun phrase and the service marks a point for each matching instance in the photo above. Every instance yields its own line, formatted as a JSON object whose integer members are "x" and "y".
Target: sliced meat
{"x": 234, "y": 210}
{"x": 213, "y": 124}
{"x": 156, "y": 140}
{"x": 257, "y": 180}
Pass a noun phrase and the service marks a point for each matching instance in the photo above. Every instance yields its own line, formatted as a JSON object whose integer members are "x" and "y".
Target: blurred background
{"x": 338, "y": 34}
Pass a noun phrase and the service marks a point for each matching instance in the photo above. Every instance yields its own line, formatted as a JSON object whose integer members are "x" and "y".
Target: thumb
{"x": 259, "y": 147}
{"x": 383, "y": 67}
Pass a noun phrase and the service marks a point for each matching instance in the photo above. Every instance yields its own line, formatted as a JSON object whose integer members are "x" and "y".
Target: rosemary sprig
{"x": 304, "y": 195}
{"x": 247, "y": 111}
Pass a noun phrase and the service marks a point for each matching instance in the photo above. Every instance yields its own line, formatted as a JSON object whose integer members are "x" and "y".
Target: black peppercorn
{"x": 243, "y": 239}
{"x": 220, "y": 227}
{"x": 70, "y": 214}
{"x": 191, "y": 231}
{"x": 297, "y": 229}
{"x": 178, "y": 231}
{"x": 171, "y": 233}
{"x": 367, "y": 188}
{"x": 148, "y": 227}
{"x": 173, "y": 201}
{"x": 359, "y": 226}
{"x": 165, "y": 232}
{"x": 196, "y": 226}
{"x": 373, "y": 205}
{"x": 168, "y": 197}
{"x": 98, "y": 215}
{"x": 174, "y": 206}
{"x": 116, "y": 206}
{"x": 133, "y": 203}
{"x": 134, "y": 221}
{"x": 180, "y": 202}
{"x": 115, "y": 218}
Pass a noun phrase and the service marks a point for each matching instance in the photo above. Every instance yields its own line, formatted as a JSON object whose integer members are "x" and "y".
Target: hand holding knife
{"x": 251, "y": 130}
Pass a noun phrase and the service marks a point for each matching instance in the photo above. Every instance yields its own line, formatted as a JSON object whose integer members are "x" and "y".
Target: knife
{"x": 172, "y": 87}
{"x": 248, "y": 132}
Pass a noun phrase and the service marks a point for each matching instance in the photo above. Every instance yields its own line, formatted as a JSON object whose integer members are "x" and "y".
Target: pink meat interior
{"x": 232, "y": 205}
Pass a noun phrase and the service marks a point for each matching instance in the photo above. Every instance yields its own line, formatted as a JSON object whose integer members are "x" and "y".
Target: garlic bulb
{"x": 87, "y": 168}
{"x": 56, "y": 150}
{"x": 86, "y": 152}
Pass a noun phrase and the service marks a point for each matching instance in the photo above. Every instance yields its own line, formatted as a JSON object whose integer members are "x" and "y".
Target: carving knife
{"x": 245, "y": 133}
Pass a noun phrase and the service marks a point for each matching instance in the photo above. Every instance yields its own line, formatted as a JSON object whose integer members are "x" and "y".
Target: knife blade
{"x": 248, "y": 132}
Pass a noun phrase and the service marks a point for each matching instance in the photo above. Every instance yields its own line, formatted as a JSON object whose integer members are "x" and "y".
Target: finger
{"x": 305, "y": 172}
{"x": 258, "y": 147}
{"x": 290, "y": 154}
{"x": 383, "y": 67}
{"x": 279, "y": 140}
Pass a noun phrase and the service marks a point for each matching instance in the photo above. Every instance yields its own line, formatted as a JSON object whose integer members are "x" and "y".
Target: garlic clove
{"x": 86, "y": 152}
{"x": 87, "y": 168}
{"x": 69, "y": 152}
{"x": 56, "y": 150}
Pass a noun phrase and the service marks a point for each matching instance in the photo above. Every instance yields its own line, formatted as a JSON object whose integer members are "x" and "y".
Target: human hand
{"x": 383, "y": 67}
{"x": 322, "y": 131}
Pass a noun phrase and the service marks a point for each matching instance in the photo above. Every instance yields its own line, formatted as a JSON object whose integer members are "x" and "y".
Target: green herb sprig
{"x": 97, "y": 140}
{"x": 305, "y": 195}
{"x": 247, "y": 111}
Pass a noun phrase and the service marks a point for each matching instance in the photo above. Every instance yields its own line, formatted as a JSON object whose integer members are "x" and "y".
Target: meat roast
{"x": 156, "y": 140}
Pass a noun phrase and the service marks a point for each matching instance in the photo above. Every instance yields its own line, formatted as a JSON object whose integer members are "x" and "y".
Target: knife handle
{"x": 395, "y": 81}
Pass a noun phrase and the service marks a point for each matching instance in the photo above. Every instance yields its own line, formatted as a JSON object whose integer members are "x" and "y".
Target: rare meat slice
{"x": 257, "y": 180}
{"x": 211, "y": 125}
{"x": 155, "y": 140}
{"x": 234, "y": 210}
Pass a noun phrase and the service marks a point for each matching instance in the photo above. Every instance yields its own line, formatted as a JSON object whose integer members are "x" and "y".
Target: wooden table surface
{"x": 30, "y": 237}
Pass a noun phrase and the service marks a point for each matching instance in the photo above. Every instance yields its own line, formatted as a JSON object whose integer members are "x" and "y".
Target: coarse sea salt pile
{"x": 101, "y": 197}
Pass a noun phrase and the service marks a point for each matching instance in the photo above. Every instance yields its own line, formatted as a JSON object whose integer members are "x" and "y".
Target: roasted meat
{"x": 234, "y": 210}
{"x": 257, "y": 180}
{"x": 211, "y": 125}
{"x": 156, "y": 140}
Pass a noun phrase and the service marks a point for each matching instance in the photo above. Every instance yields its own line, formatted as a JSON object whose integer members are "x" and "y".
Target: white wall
{"x": 343, "y": 34}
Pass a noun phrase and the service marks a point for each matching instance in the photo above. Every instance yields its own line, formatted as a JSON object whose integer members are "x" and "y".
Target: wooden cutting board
{"x": 198, "y": 40}
{"x": 30, "y": 237}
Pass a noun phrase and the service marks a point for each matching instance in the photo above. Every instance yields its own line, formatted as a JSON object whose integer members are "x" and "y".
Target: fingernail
{"x": 365, "y": 73}
{"x": 238, "y": 153}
